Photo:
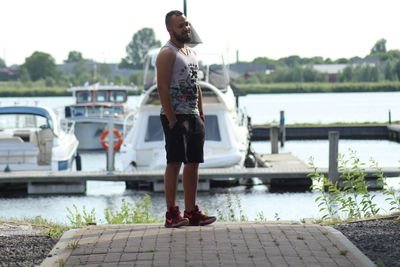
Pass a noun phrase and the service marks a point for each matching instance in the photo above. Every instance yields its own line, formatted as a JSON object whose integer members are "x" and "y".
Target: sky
{"x": 101, "y": 29}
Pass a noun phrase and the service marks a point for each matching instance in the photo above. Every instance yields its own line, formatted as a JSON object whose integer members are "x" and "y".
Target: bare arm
{"x": 165, "y": 62}
{"x": 200, "y": 102}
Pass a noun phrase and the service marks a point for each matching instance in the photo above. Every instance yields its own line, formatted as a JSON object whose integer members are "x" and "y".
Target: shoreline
{"x": 32, "y": 89}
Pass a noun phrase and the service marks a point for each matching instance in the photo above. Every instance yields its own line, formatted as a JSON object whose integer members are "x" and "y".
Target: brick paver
{"x": 220, "y": 244}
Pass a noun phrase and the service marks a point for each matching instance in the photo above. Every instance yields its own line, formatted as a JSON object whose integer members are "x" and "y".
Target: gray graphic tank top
{"x": 183, "y": 88}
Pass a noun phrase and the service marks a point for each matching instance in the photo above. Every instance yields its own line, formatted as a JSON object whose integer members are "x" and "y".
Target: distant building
{"x": 371, "y": 61}
{"x": 331, "y": 69}
{"x": 10, "y": 74}
{"x": 334, "y": 69}
{"x": 68, "y": 68}
{"x": 250, "y": 68}
{"x": 237, "y": 70}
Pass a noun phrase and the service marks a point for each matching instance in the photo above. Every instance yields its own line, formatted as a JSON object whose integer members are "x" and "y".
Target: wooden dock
{"x": 313, "y": 132}
{"x": 281, "y": 170}
{"x": 394, "y": 132}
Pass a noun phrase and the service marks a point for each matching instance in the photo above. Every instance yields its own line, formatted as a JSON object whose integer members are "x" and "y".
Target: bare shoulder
{"x": 165, "y": 56}
{"x": 192, "y": 51}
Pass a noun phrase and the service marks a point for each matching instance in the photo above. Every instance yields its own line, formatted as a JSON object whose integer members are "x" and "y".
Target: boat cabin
{"x": 98, "y": 101}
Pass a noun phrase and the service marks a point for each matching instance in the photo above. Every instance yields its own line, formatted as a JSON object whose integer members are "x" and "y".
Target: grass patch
{"x": 73, "y": 245}
{"x": 54, "y": 230}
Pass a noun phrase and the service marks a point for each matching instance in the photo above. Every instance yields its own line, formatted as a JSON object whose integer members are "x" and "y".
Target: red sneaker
{"x": 173, "y": 218}
{"x": 197, "y": 217}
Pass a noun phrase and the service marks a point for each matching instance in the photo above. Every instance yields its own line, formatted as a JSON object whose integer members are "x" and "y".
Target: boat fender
{"x": 117, "y": 134}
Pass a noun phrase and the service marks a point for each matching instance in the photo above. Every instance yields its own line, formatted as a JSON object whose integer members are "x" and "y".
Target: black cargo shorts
{"x": 185, "y": 141}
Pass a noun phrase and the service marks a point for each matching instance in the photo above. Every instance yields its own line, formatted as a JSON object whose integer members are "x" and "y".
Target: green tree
{"x": 40, "y": 65}
{"x": 105, "y": 70}
{"x": 342, "y": 61}
{"x": 347, "y": 74}
{"x": 265, "y": 60}
{"x": 74, "y": 56}
{"x": 142, "y": 41}
{"x": 379, "y": 47}
{"x": 2, "y": 63}
{"x": 389, "y": 71}
{"x": 397, "y": 69}
{"x": 291, "y": 61}
{"x": 80, "y": 73}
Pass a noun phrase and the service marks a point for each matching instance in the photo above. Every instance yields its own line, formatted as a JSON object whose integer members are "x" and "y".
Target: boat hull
{"x": 88, "y": 133}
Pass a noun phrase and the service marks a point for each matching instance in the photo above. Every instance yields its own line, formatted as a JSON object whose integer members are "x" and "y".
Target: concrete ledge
{"x": 364, "y": 260}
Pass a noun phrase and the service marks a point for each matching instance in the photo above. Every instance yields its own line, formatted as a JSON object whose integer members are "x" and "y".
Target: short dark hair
{"x": 170, "y": 14}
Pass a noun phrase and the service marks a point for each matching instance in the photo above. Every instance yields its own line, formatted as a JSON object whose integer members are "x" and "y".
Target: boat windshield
{"x": 93, "y": 111}
{"x": 22, "y": 121}
{"x": 101, "y": 96}
{"x": 154, "y": 131}
{"x": 83, "y": 97}
{"x": 118, "y": 96}
{"x": 114, "y": 96}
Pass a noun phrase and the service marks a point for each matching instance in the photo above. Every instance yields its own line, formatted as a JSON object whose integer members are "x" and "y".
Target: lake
{"x": 299, "y": 108}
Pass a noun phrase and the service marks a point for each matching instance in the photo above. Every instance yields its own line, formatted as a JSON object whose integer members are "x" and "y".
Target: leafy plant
{"x": 234, "y": 206}
{"x": 128, "y": 214}
{"x": 77, "y": 219}
{"x": 73, "y": 244}
{"x": 349, "y": 194}
{"x": 392, "y": 195}
{"x": 329, "y": 193}
{"x": 260, "y": 217}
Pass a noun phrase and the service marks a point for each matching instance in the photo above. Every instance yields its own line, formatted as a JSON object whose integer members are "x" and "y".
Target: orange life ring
{"x": 117, "y": 134}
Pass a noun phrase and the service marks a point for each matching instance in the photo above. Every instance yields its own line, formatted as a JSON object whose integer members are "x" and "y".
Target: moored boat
{"x": 97, "y": 105}
{"x": 227, "y": 139}
{"x": 33, "y": 138}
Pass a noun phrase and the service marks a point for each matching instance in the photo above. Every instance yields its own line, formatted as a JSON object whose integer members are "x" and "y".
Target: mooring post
{"x": 282, "y": 129}
{"x": 110, "y": 151}
{"x": 274, "y": 138}
{"x": 333, "y": 173}
{"x": 390, "y": 117}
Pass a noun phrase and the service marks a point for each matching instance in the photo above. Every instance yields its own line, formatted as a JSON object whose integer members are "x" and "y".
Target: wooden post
{"x": 390, "y": 117}
{"x": 333, "y": 173}
{"x": 273, "y": 137}
{"x": 282, "y": 129}
{"x": 110, "y": 151}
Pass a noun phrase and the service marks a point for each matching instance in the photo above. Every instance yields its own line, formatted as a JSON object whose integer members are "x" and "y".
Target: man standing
{"x": 182, "y": 119}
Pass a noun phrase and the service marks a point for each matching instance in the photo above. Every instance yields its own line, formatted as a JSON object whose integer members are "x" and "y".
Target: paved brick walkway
{"x": 219, "y": 244}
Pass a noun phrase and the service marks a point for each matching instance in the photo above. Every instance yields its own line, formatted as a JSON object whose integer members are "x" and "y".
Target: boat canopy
{"x": 26, "y": 110}
{"x": 45, "y": 112}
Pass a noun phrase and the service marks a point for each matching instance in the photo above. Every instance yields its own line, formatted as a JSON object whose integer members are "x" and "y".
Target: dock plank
{"x": 279, "y": 166}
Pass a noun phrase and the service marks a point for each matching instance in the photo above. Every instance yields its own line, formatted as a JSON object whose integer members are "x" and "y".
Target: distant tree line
{"x": 41, "y": 66}
{"x": 297, "y": 69}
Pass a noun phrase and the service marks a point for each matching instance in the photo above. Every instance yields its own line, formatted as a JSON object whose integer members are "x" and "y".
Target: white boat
{"x": 227, "y": 126}
{"x": 32, "y": 138}
{"x": 97, "y": 105}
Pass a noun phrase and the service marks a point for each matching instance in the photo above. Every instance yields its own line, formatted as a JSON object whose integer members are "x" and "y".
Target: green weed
{"x": 349, "y": 194}
{"x": 73, "y": 244}
{"x": 129, "y": 214}
{"x": 77, "y": 219}
{"x": 234, "y": 207}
